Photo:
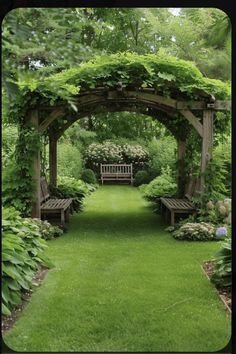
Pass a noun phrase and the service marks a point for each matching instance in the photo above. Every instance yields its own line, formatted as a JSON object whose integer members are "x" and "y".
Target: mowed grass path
{"x": 121, "y": 283}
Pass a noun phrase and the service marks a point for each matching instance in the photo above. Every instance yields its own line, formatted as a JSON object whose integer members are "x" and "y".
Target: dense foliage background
{"x": 39, "y": 42}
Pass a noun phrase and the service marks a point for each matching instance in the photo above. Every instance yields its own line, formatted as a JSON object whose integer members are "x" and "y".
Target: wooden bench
{"x": 116, "y": 172}
{"x": 50, "y": 205}
{"x": 177, "y": 206}
{"x": 180, "y": 206}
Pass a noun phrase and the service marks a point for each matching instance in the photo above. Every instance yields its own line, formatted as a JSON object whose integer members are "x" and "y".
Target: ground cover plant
{"x": 23, "y": 249}
{"x": 222, "y": 273}
{"x": 201, "y": 231}
{"x": 132, "y": 282}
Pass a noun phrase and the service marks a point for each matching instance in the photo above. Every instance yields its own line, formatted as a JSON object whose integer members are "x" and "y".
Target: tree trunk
{"x": 207, "y": 144}
{"x": 53, "y": 161}
{"x": 181, "y": 167}
{"x": 36, "y": 212}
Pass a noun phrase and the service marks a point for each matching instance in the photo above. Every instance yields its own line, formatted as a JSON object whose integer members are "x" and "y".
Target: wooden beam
{"x": 35, "y": 212}
{"x": 53, "y": 161}
{"x": 153, "y": 98}
{"x": 181, "y": 145}
{"x": 222, "y": 105}
{"x": 193, "y": 120}
{"x": 199, "y": 105}
{"x": 207, "y": 144}
{"x": 56, "y": 113}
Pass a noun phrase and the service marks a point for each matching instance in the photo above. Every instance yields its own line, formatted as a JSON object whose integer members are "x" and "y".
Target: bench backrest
{"x": 44, "y": 189}
{"x": 116, "y": 168}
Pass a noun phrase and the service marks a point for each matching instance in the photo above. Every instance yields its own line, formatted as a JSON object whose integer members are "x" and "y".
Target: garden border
{"x": 218, "y": 292}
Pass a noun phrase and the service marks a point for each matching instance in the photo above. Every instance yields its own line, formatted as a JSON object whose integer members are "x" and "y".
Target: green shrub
{"x": 69, "y": 187}
{"x": 218, "y": 212}
{"x": 47, "y": 231}
{"x": 141, "y": 177}
{"x": 162, "y": 152}
{"x": 222, "y": 275}
{"x": 216, "y": 183}
{"x": 162, "y": 186}
{"x": 69, "y": 160}
{"x": 22, "y": 253}
{"x": 9, "y": 138}
{"x": 88, "y": 176}
{"x": 109, "y": 152}
{"x": 195, "y": 232}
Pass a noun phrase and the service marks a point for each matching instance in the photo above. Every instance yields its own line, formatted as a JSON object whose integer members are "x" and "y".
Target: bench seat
{"x": 178, "y": 206}
{"x": 50, "y": 205}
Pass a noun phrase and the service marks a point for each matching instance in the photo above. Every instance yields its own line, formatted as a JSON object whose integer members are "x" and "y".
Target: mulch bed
{"x": 8, "y": 321}
{"x": 224, "y": 293}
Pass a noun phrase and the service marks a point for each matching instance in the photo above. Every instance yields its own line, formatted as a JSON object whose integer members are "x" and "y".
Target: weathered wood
{"x": 56, "y": 113}
{"x": 116, "y": 172}
{"x": 35, "y": 212}
{"x": 181, "y": 150}
{"x": 222, "y": 105}
{"x": 53, "y": 161}
{"x": 199, "y": 105}
{"x": 193, "y": 120}
{"x": 207, "y": 144}
{"x": 53, "y": 205}
{"x": 177, "y": 206}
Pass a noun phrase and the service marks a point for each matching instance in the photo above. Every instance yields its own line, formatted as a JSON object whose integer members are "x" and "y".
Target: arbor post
{"x": 207, "y": 144}
{"x": 181, "y": 149}
{"x": 36, "y": 212}
{"x": 53, "y": 160}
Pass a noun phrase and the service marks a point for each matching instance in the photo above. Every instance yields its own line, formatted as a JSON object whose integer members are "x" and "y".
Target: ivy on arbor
{"x": 169, "y": 76}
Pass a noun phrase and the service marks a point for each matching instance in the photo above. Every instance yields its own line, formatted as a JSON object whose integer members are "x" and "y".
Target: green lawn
{"x": 121, "y": 283}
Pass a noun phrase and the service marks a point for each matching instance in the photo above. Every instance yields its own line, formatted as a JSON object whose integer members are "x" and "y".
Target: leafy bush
{"x": 88, "y": 176}
{"x": 195, "y": 232}
{"x": 47, "y": 231}
{"x": 222, "y": 275}
{"x": 69, "y": 187}
{"x": 215, "y": 212}
{"x": 9, "y": 138}
{"x": 162, "y": 186}
{"x": 216, "y": 184}
{"x": 69, "y": 160}
{"x": 110, "y": 152}
{"x": 161, "y": 153}
{"x": 141, "y": 177}
{"x": 22, "y": 253}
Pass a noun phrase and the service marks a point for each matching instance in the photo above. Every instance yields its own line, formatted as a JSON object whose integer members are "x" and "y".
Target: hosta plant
{"x": 222, "y": 275}
{"x": 22, "y": 254}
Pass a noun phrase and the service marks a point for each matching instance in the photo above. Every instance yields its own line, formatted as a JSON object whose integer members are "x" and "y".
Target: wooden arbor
{"x": 198, "y": 115}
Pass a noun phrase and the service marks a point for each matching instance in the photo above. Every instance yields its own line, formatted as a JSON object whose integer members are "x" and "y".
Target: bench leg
{"x": 63, "y": 218}
{"x": 67, "y": 212}
{"x": 172, "y": 218}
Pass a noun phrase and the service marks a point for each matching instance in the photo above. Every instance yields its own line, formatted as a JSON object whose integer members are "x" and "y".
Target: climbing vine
{"x": 167, "y": 75}
{"x": 18, "y": 183}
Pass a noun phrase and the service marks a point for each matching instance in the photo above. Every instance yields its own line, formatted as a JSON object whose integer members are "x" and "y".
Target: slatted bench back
{"x": 44, "y": 189}
{"x": 121, "y": 169}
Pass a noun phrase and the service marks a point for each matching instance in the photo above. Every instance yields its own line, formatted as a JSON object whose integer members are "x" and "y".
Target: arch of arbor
{"x": 178, "y": 110}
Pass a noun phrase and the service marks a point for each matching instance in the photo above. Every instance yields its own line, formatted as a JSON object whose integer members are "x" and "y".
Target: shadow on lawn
{"x": 118, "y": 223}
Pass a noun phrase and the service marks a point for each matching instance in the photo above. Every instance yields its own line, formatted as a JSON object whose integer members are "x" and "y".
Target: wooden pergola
{"x": 199, "y": 115}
